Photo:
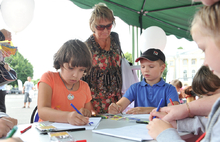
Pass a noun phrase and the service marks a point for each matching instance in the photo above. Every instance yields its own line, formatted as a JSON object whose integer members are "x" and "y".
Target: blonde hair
{"x": 101, "y": 11}
{"x": 176, "y": 83}
{"x": 209, "y": 18}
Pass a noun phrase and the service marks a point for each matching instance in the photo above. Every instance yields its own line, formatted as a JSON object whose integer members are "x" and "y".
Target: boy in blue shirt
{"x": 147, "y": 93}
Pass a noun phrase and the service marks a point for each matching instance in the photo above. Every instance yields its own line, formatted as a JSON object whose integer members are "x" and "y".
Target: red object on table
{"x": 26, "y": 129}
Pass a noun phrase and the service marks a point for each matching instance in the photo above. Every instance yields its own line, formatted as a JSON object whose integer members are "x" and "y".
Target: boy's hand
{"x": 75, "y": 118}
{"x": 85, "y": 112}
{"x": 157, "y": 126}
{"x": 114, "y": 108}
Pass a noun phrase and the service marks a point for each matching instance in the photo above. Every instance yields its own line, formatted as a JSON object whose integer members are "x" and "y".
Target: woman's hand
{"x": 85, "y": 112}
{"x": 157, "y": 126}
{"x": 7, "y": 67}
{"x": 6, "y": 124}
{"x": 173, "y": 113}
{"x": 6, "y": 34}
{"x": 75, "y": 118}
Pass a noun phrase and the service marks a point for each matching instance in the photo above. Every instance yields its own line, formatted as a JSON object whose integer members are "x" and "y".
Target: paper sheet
{"x": 137, "y": 132}
{"x": 140, "y": 116}
{"x": 95, "y": 120}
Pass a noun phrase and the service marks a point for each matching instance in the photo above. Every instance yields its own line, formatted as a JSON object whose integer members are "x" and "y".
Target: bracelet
{"x": 187, "y": 105}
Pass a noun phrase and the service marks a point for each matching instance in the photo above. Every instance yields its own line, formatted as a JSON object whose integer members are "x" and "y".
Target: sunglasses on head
{"x": 102, "y": 27}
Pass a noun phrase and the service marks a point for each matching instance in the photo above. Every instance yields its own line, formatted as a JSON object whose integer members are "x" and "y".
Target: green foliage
{"x": 22, "y": 67}
{"x": 180, "y": 48}
{"x": 128, "y": 56}
{"x": 35, "y": 81}
{"x": 165, "y": 73}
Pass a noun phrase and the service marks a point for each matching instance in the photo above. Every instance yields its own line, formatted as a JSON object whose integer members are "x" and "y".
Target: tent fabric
{"x": 173, "y": 16}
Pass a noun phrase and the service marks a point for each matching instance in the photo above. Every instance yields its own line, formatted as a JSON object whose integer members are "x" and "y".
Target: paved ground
{"x": 14, "y": 104}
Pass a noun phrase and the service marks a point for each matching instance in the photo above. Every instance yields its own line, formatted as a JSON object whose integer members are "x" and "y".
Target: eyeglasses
{"x": 102, "y": 27}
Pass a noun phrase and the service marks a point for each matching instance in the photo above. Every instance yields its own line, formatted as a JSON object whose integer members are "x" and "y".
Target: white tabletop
{"x": 33, "y": 135}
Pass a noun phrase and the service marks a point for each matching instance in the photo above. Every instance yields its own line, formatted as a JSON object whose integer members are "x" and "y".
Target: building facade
{"x": 184, "y": 65}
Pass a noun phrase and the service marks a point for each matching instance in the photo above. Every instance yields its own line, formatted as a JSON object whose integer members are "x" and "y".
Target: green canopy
{"x": 173, "y": 16}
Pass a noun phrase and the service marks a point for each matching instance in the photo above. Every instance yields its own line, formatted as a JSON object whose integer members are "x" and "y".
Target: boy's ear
{"x": 163, "y": 67}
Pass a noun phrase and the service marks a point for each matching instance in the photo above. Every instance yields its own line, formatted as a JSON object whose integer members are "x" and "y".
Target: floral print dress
{"x": 105, "y": 80}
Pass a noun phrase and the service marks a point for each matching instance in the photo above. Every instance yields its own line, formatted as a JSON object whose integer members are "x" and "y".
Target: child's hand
{"x": 157, "y": 126}
{"x": 114, "y": 109}
{"x": 75, "y": 118}
{"x": 85, "y": 112}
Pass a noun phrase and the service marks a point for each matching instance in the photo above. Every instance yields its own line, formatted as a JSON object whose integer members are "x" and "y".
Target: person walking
{"x": 28, "y": 86}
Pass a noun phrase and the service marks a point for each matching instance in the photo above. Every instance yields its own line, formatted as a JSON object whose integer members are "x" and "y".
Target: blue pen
{"x": 76, "y": 109}
{"x": 79, "y": 112}
{"x": 158, "y": 107}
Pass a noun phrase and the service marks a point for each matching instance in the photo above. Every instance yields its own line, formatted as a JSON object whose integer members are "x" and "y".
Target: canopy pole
{"x": 133, "y": 44}
{"x": 137, "y": 49}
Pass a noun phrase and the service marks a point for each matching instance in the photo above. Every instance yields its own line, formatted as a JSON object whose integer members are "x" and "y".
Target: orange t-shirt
{"x": 59, "y": 100}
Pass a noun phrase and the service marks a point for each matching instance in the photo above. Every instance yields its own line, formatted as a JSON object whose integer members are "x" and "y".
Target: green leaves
{"x": 22, "y": 67}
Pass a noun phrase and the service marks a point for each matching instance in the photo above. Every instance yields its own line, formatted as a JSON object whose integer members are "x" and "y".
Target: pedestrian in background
{"x": 28, "y": 86}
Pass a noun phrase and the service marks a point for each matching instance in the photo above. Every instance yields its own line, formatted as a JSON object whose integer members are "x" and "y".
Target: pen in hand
{"x": 171, "y": 102}
{"x": 158, "y": 107}
{"x": 79, "y": 112}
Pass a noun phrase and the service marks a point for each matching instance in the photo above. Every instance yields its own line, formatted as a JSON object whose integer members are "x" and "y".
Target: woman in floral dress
{"x": 104, "y": 79}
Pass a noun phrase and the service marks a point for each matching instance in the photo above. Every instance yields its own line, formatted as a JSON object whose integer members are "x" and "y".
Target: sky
{"x": 57, "y": 21}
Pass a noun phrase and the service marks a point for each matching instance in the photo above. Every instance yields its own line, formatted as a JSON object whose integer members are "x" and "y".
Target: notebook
{"x": 137, "y": 132}
{"x": 49, "y": 126}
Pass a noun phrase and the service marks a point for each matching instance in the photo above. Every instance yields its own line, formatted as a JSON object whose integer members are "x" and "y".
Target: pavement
{"x": 14, "y": 104}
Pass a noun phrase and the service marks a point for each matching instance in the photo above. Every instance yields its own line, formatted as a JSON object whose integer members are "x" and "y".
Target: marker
{"x": 171, "y": 102}
{"x": 158, "y": 107}
{"x": 26, "y": 129}
{"x": 68, "y": 130}
{"x": 81, "y": 141}
{"x": 201, "y": 137}
{"x": 79, "y": 112}
{"x": 14, "y": 129}
{"x": 142, "y": 122}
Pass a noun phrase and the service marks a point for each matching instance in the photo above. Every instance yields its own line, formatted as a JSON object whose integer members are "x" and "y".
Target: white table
{"x": 33, "y": 135}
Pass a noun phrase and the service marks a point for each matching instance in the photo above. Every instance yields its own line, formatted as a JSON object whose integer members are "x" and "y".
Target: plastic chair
{"x": 34, "y": 116}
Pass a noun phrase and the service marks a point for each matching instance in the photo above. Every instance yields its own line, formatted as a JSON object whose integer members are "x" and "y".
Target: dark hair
{"x": 205, "y": 81}
{"x": 75, "y": 52}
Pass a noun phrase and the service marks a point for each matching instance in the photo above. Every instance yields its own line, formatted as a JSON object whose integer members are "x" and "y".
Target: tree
{"x": 165, "y": 72}
{"x": 22, "y": 67}
{"x": 128, "y": 56}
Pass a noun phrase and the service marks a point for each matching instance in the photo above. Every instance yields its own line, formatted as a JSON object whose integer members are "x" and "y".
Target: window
{"x": 184, "y": 61}
{"x": 193, "y": 73}
{"x": 193, "y": 61}
{"x": 171, "y": 63}
{"x": 185, "y": 75}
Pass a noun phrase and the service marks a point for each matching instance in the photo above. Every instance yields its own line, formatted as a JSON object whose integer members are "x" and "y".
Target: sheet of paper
{"x": 135, "y": 132}
{"x": 95, "y": 120}
{"x": 140, "y": 116}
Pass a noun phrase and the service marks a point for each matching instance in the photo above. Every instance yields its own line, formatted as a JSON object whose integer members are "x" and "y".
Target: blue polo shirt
{"x": 145, "y": 95}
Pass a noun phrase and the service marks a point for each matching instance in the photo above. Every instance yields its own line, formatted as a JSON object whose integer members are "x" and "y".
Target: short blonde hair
{"x": 101, "y": 11}
{"x": 209, "y": 18}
